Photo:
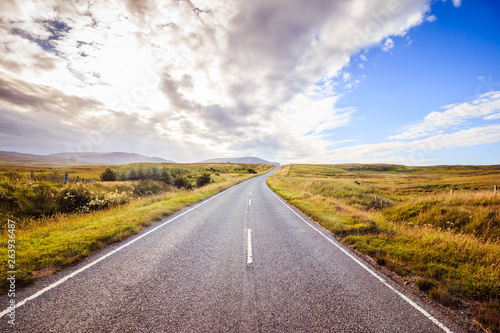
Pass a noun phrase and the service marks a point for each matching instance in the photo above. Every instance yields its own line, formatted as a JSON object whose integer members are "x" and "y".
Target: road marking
{"x": 64, "y": 279}
{"x": 249, "y": 247}
{"x": 369, "y": 270}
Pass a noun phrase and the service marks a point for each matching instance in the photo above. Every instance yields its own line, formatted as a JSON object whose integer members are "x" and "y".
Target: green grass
{"x": 446, "y": 245}
{"x": 49, "y": 244}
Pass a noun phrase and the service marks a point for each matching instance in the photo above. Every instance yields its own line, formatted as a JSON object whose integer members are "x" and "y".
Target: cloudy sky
{"x": 414, "y": 82}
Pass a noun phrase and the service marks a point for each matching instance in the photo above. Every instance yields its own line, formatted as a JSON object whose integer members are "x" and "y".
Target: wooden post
{"x": 65, "y": 178}
{"x": 495, "y": 190}
{"x": 32, "y": 173}
{"x": 451, "y": 191}
{"x": 375, "y": 198}
{"x": 77, "y": 179}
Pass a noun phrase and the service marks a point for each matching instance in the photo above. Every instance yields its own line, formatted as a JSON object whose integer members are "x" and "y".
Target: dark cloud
{"x": 267, "y": 43}
{"x": 11, "y": 65}
{"x": 172, "y": 90}
{"x": 40, "y": 97}
{"x": 216, "y": 116}
{"x": 44, "y": 63}
{"x": 140, "y": 8}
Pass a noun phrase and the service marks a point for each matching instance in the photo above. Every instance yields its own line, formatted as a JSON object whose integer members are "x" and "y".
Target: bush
{"x": 74, "y": 198}
{"x": 106, "y": 199}
{"x": 108, "y": 175}
{"x": 24, "y": 201}
{"x": 149, "y": 187}
{"x": 133, "y": 175}
{"x": 424, "y": 284}
{"x": 203, "y": 179}
{"x": 166, "y": 177}
{"x": 181, "y": 181}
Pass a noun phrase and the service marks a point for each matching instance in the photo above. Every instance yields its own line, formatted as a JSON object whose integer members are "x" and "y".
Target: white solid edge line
{"x": 369, "y": 270}
{"x": 249, "y": 247}
{"x": 58, "y": 282}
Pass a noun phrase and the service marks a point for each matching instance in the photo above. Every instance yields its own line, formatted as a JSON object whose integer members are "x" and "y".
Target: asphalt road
{"x": 202, "y": 270}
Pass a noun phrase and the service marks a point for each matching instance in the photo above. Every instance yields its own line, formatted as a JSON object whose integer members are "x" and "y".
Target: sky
{"x": 411, "y": 82}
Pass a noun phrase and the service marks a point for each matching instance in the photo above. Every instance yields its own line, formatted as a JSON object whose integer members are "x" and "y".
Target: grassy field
{"x": 94, "y": 171}
{"x": 437, "y": 227}
{"x": 48, "y": 243}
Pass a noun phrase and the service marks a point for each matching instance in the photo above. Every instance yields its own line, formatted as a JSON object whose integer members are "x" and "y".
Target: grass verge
{"x": 45, "y": 247}
{"x": 456, "y": 263}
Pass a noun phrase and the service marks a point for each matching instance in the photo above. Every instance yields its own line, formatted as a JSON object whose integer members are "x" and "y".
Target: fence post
{"x": 65, "y": 178}
{"x": 451, "y": 191}
{"x": 77, "y": 179}
{"x": 32, "y": 173}
{"x": 495, "y": 190}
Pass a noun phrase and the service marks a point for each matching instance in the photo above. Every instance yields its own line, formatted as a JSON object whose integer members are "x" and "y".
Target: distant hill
{"x": 249, "y": 160}
{"x": 19, "y": 159}
{"x": 74, "y": 159}
{"x": 116, "y": 158}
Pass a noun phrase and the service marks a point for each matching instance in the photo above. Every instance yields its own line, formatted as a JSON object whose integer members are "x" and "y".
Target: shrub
{"x": 148, "y": 187}
{"x": 424, "y": 284}
{"x": 74, "y": 198}
{"x": 203, "y": 179}
{"x": 133, "y": 175}
{"x": 181, "y": 181}
{"x": 104, "y": 200}
{"x": 177, "y": 172}
{"x": 43, "y": 200}
{"x": 108, "y": 175}
{"x": 166, "y": 177}
{"x": 23, "y": 201}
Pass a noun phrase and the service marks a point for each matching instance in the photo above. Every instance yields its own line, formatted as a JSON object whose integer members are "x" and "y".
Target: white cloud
{"x": 438, "y": 130}
{"x": 414, "y": 152}
{"x": 485, "y": 106}
{"x": 457, "y": 3}
{"x": 388, "y": 44}
{"x": 431, "y": 18}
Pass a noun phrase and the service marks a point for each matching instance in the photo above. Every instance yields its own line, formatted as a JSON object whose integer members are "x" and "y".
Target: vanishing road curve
{"x": 240, "y": 261}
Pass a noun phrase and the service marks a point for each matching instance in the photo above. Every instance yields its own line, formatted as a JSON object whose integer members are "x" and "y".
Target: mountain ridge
{"x": 247, "y": 159}
{"x": 75, "y": 159}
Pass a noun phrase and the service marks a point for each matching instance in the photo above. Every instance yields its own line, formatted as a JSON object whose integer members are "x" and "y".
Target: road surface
{"x": 241, "y": 261}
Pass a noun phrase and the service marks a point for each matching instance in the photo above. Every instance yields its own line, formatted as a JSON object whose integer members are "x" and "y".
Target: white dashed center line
{"x": 249, "y": 247}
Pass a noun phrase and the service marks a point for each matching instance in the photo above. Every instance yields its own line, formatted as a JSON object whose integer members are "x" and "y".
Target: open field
{"x": 49, "y": 242}
{"x": 94, "y": 171}
{"x": 447, "y": 244}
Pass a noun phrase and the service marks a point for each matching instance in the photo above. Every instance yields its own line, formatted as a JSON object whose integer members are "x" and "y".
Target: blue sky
{"x": 453, "y": 59}
{"x": 413, "y": 82}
